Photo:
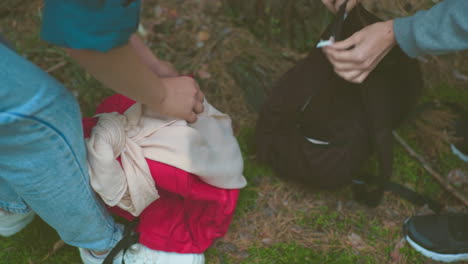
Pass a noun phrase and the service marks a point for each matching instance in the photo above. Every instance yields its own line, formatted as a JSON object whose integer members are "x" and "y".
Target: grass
{"x": 275, "y": 222}
{"x": 33, "y": 244}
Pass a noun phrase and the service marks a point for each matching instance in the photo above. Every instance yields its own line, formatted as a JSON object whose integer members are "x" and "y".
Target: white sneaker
{"x": 88, "y": 258}
{"x": 12, "y": 223}
{"x": 139, "y": 254}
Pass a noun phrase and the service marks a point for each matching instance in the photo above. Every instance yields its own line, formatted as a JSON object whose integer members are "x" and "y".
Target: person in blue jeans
{"x": 441, "y": 29}
{"x": 43, "y": 168}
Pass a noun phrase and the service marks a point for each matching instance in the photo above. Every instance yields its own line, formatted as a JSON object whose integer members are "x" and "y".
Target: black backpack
{"x": 319, "y": 130}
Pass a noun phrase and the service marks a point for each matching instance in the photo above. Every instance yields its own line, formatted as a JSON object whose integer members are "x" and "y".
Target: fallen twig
{"x": 431, "y": 171}
{"x": 56, "y": 66}
{"x": 460, "y": 76}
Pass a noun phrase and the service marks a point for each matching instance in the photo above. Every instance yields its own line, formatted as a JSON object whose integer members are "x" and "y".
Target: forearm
{"x": 100, "y": 36}
{"x": 122, "y": 70}
{"x": 144, "y": 53}
{"x": 439, "y": 30}
{"x": 157, "y": 66}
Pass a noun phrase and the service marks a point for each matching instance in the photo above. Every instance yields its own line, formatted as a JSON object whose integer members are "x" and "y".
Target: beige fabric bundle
{"x": 206, "y": 148}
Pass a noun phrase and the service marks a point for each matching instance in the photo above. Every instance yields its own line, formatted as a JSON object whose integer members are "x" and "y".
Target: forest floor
{"x": 275, "y": 223}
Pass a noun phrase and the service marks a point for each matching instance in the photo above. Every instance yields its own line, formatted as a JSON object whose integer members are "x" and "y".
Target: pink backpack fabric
{"x": 189, "y": 215}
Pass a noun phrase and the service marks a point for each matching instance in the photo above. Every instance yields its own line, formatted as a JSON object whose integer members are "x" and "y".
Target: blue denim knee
{"x": 43, "y": 156}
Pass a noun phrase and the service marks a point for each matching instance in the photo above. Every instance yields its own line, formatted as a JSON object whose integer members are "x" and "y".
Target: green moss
{"x": 293, "y": 24}
{"x": 252, "y": 171}
{"x": 281, "y": 254}
{"x": 295, "y": 254}
{"x": 33, "y": 244}
{"x": 447, "y": 93}
{"x": 412, "y": 255}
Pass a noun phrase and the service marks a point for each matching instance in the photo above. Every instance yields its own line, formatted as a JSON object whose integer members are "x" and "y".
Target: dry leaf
{"x": 424, "y": 210}
{"x": 356, "y": 241}
{"x": 395, "y": 254}
{"x": 203, "y": 36}
{"x": 267, "y": 241}
{"x": 57, "y": 246}
{"x": 457, "y": 74}
{"x": 203, "y": 73}
{"x": 142, "y": 31}
{"x": 389, "y": 224}
{"x": 173, "y": 13}
{"x": 458, "y": 178}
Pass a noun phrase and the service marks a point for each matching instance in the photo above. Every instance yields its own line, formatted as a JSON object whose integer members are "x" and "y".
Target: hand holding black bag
{"x": 319, "y": 130}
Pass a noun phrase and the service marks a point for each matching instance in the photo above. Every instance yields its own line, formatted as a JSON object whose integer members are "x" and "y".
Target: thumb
{"x": 345, "y": 44}
{"x": 351, "y": 5}
{"x": 192, "y": 118}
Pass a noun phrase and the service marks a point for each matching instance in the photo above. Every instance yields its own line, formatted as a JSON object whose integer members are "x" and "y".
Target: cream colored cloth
{"x": 206, "y": 148}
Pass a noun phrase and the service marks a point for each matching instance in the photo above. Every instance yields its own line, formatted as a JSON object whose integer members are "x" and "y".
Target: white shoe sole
{"x": 88, "y": 258}
{"x": 15, "y": 224}
{"x": 435, "y": 255}
{"x": 139, "y": 254}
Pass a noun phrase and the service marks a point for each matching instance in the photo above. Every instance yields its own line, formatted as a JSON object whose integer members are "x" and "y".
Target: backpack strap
{"x": 129, "y": 238}
{"x": 363, "y": 193}
{"x": 412, "y": 196}
{"x": 369, "y": 190}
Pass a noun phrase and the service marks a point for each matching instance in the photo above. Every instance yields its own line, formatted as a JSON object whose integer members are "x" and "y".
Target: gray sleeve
{"x": 441, "y": 29}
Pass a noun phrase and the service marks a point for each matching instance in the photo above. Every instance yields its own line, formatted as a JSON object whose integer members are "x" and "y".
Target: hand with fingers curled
{"x": 182, "y": 99}
{"x": 354, "y": 58}
{"x": 334, "y": 5}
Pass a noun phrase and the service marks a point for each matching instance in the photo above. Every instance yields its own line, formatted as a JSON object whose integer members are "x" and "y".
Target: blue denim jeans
{"x": 43, "y": 157}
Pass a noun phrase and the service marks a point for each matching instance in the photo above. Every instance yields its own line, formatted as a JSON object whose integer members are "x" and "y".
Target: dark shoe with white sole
{"x": 439, "y": 237}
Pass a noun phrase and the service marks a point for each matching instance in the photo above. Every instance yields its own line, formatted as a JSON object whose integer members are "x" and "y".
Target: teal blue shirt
{"x": 89, "y": 24}
{"x": 441, "y": 29}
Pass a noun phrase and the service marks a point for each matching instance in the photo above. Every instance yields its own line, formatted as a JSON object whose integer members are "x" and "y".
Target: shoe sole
{"x": 11, "y": 230}
{"x": 140, "y": 254}
{"x": 435, "y": 255}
